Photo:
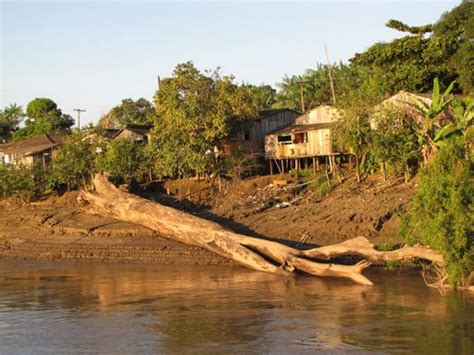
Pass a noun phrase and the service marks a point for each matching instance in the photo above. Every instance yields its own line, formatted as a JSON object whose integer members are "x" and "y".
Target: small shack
{"x": 304, "y": 142}
{"x": 35, "y": 150}
{"x": 252, "y": 137}
{"x": 137, "y": 133}
{"x": 401, "y": 101}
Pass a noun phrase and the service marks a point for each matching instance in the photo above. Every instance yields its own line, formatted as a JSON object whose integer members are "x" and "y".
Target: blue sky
{"x": 93, "y": 54}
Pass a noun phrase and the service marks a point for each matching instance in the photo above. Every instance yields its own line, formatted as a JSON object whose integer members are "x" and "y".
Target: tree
{"x": 24, "y": 182}
{"x": 395, "y": 141}
{"x": 254, "y": 253}
{"x": 125, "y": 160}
{"x": 452, "y": 35}
{"x": 352, "y": 131}
{"x": 10, "y": 118}
{"x": 441, "y": 50}
{"x": 44, "y": 117}
{"x": 129, "y": 111}
{"x": 263, "y": 96}
{"x": 196, "y": 113}
{"x": 316, "y": 87}
{"x": 442, "y": 214}
{"x": 75, "y": 161}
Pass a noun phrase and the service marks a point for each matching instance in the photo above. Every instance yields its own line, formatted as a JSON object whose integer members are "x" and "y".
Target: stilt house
{"x": 304, "y": 141}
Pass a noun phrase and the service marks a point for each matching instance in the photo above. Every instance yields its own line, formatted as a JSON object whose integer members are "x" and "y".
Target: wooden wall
{"x": 270, "y": 123}
{"x": 319, "y": 140}
{"x": 320, "y": 114}
{"x": 319, "y": 143}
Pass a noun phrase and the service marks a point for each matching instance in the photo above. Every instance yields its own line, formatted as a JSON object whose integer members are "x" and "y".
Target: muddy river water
{"x": 100, "y": 308}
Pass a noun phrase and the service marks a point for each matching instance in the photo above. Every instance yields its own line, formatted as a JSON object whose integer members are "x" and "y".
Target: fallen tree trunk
{"x": 254, "y": 253}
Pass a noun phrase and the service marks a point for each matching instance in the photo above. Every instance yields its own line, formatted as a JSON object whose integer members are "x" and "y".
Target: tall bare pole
{"x": 302, "y": 94}
{"x": 330, "y": 74}
{"x": 159, "y": 82}
{"x": 78, "y": 110}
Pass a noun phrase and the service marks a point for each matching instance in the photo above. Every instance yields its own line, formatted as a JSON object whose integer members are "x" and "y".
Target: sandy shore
{"x": 52, "y": 230}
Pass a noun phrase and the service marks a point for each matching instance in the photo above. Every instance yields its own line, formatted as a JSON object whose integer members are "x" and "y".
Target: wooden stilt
{"x": 314, "y": 166}
{"x": 271, "y": 167}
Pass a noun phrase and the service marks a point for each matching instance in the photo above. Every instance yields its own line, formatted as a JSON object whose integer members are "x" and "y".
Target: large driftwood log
{"x": 254, "y": 253}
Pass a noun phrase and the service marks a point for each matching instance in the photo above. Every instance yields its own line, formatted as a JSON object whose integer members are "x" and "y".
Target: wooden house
{"x": 304, "y": 141}
{"x": 402, "y": 101}
{"x": 138, "y": 133}
{"x": 35, "y": 150}
{"x": 252, "y": 137}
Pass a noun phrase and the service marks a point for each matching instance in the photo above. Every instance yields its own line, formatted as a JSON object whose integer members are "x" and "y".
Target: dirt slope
{"x": 57, "y": 229}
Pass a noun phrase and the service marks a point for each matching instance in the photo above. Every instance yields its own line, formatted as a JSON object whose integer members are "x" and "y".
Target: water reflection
{"x": 131, "y": 308}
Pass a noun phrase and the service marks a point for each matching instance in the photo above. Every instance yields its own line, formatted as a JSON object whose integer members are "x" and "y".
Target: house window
{"x": 300, "y": 137}
{"x": 284, "y": 139}
{"x": 247, "y": 135}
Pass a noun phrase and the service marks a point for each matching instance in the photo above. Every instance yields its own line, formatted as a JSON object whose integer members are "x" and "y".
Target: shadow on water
{"x": 131, "y": 308}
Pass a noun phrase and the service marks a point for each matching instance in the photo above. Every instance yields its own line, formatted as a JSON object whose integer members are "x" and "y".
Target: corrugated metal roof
{"x": 302, "y": 128}
{"x": 267, "y": 113}
{"x": 32, "y": 145}
{"x": 138, "y": 129}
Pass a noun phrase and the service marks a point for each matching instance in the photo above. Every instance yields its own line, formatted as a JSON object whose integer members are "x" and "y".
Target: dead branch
{"x": 254, "y": 253}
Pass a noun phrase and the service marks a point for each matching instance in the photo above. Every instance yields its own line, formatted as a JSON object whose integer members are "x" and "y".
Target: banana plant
{"x": 461, "y": 124}
{"x": 433, "y": 117}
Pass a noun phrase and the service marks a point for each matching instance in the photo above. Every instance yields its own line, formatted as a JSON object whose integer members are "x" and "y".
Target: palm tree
{"x": 10, "y": 118}
{"x": 12, "y": 115}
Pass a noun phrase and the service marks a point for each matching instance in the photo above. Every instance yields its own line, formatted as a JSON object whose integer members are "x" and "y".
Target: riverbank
{"x": 57, "y": 229}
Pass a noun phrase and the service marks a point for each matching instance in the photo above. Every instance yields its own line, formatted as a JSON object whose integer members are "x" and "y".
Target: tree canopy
{"x": 128, "y": 112}
{"x": 10, "y": 118}
{"x": 196, "y": 111}
{"x": 316, "y": 87}
{"x": 43, "y": 116}
{"x": 264, "y": 96}
{"x": 442, "y": 50}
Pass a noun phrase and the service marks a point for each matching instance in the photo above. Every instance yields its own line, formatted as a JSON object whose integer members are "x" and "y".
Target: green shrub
{"x": 74, "y": 162}
{"x": 24, "y": 182}
{"x": 321, "y": 186}
{"x": 442, "y": 215}
{"x": 126, "y": 161}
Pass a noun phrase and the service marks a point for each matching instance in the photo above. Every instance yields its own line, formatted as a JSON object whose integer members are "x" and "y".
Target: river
{"x": 103, "y": 308}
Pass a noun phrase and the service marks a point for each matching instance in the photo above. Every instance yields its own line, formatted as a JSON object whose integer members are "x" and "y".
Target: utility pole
{"x": 302, "y": 94}
{"x": 159, "y": 82}
{"x": 78, "y": 110}
{"x": 330, "y": 74}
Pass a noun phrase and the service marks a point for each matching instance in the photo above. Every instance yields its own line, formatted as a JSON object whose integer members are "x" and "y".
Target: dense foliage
{"x": 394, "y": 143}
{"x": 411, "y": 62}
{"x": 43, "y": 116}
{"x": 75, "y": 161}
{"x": 139, "y": 112}
{"x": 196, "y": 111}
{"x": 352, "y": 131}
{"x": 125, "y": 161}
{"x": 314, "y": 86}
{"x": 442, "y": 214}
{"x": 24, "y": 182}
{"x": 10, "y": 118}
